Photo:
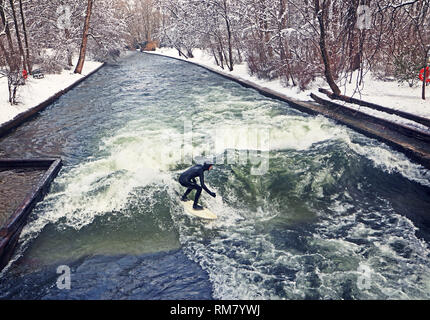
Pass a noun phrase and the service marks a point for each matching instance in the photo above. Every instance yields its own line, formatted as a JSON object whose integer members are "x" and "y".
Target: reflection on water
{"x": 152, "y": 276}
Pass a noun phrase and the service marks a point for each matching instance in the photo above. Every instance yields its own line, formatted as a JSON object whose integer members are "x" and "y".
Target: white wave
{"x": 391, "y": 161}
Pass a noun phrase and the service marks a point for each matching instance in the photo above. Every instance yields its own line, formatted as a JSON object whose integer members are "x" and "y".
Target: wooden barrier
{"x": 366, "y": 117}
{"x": 10, "y": 231}
{"x": 375, "y": 106}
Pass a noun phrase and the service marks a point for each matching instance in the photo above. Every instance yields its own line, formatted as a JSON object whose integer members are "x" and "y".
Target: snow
{"x": 36, "y": 91}
{"x": 389, "y": 94}
{"x": 392, "y": 95}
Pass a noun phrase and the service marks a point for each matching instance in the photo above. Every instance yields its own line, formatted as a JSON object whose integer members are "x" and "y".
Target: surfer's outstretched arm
{"x": 202, "y": 182}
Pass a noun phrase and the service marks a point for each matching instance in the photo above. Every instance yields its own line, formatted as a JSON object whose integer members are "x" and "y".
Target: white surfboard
{"x": 205, "y": 213}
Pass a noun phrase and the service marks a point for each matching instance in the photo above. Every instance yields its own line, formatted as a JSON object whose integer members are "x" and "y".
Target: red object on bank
{"x": 427, "y": 76}
{"x": 25, "y": 74}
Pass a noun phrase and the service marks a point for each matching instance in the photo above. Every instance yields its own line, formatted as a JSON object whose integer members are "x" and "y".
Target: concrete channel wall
{"x": 11, "y": 229}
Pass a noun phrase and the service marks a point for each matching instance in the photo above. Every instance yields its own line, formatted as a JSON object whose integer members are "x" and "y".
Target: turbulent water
{"x": 308, "y": 209}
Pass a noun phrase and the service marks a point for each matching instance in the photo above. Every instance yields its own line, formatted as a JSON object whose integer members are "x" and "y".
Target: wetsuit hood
{"x": 206, "y": 165}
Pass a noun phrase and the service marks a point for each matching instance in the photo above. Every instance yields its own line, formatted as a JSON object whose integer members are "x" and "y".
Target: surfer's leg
{"x": 184, "y": 197}
{"x": 190, "y": 186}
{"x": 196, "y": 199}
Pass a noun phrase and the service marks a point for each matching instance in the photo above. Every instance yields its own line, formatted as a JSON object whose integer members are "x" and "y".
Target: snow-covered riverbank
{"x": 389, "y": 94}
{"x": 36, "y": 91}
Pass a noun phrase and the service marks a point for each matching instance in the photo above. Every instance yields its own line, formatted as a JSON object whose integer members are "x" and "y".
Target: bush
{"x": 50, "y": 60}
{"x": 407, "y": 66}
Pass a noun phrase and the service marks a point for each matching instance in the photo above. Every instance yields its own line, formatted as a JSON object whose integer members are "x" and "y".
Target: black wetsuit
{"x": 188, "y": 179}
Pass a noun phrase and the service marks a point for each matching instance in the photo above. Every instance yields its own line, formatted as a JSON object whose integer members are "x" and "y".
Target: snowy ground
{"x": 36, "y": 91}
{"x": 389, "y": 94}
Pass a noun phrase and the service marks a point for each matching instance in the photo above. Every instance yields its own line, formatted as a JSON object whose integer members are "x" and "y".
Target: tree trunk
{"x": 69, "y": 59}
{"x": 229, "y": 61}
{"x": 181, "y": 53}
{"x": 283, "y": 47}
{"x": 83, "y": 50}
{"x": 239, "y": 56}
{"x": 10, "y": 63}
{"x": 18, "y": 36}
{"x": 423, "y": 91}
{"x": 6, "y": 28}
{"x": 190, "y": 53}
{"x": 12, "y": 59}
{"x": 282, "y": 25}
{"x": 426, "y": 64}
{"x": 221, "y": 58}
{"x": 24, "y": 28}
{"x": 69, "y": 50}
{"x": 327, "y": 68}
{"x": 5, "y": 53}
{"x": 214, "y": 54}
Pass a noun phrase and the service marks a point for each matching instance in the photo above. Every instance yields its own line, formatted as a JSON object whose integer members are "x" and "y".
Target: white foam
{"x": 391, "y": 161}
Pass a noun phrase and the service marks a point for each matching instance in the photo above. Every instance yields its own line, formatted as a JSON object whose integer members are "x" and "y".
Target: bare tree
{"x": 82, "y": 52}
{"x": 24, "y": 28}
{"x": 321, "y": 12}
{"x": 18, "y": 35}
{"x": 419, "y": 18}
{"x": 12, "y": 60}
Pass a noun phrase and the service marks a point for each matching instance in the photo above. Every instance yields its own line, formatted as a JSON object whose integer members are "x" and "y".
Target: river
{"x": 325, "y": 212}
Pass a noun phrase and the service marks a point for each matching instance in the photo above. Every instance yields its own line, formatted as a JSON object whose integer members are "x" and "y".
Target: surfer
{"x": 188, "y": 179}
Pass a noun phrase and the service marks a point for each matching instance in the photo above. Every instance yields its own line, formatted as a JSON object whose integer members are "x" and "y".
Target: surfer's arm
{"x": 202, "y": 182}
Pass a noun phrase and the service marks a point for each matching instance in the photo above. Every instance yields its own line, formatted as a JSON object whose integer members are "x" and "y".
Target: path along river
{"x": 325, "y": 212}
